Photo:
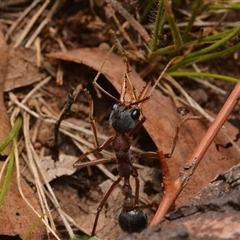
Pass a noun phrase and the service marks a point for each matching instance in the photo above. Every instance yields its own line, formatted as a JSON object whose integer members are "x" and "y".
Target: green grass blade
{"x": 216, "y": 6}
{"x": 186, "y": 62}
{"x": 196, "y": 6}
{"x": 7, "y": 177}
{"x": 203, "y": 74}
{"x": 12, "y": 134}
{"x": 158, "y": 26}
{"x": 146, "y": 11}
{"x": 35, "y": 223}
{"x": 216, "y": 45}
{"x": 173, "y": 26}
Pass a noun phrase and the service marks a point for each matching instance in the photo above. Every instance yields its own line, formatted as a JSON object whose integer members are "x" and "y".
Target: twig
{"x": 121, "y": 29}
{"x": 196, "y": 106}
{"x": 173, "y": 189}
{"x": 44, "y": 22}
{"x": 137, "y": 26}
{"x": 30, "y": 24}
{"x": 25, "y": 13}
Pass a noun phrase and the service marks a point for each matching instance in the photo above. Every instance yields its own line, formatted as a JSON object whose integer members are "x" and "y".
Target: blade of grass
{"x": 173, "y": 26}
{"x": 205, "y": 40}
{"x": 146, "y": 11}
{"x": 216, "y": 6}
{"x": 13, "y": 133}
{"x": 35, "y": 223}
{"x": 203, "y": 74}
{"x": 196, "y": 6}
{"x": 205, "y": 57}
{"x": 215, "y": 45}
{"x": 158, "y": 26}
{"x": 8, "y": 176}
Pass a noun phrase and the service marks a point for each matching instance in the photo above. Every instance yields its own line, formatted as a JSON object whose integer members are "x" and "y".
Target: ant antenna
{"x": 98, "y": 74}
{"x": 160, "y": 76}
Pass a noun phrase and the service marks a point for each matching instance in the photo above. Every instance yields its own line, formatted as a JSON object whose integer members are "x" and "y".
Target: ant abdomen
{"x": 132, "y": 221}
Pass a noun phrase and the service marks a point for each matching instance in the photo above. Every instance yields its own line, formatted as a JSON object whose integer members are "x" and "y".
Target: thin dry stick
{"x": 14, "y": 114}
{"x": 138, "y": 27}
{"x": 196, "y": 106}
{"x": 121, "y": 29}
{"x": 173, "y": 189}
{"x": 37, "y": 44}
{"x": 30, "y": 24}
{"x": 32, "y": 167}
{"x": 44, "y": 22}
{"x": 21, "y": 17}
{"x": 50, "y": 190}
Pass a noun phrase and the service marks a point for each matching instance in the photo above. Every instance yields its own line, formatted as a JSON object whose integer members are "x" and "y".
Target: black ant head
{"x": 124, "y": 118}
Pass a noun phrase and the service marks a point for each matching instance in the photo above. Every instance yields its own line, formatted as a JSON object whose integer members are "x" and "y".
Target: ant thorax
{"x": 124, "y": 118}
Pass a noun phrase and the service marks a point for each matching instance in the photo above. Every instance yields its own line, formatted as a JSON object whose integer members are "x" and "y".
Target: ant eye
{"x": 115, "y": 106}
{"x": 135, "y": 114}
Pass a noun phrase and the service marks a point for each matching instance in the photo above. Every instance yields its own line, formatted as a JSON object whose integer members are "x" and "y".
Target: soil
{"x": 70, "y": 49}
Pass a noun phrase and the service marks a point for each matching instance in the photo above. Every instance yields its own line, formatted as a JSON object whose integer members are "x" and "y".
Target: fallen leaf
{"x": 62, "y": 167}
{"x": 16, "y": 217}
{"x": 22, "y": 69}
{"x": 4, "y": 119}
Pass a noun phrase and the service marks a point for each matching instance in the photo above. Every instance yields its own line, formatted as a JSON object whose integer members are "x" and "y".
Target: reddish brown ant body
{"x": 125, "y": 118}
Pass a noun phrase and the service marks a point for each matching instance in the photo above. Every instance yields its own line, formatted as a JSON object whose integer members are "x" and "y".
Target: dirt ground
{"x": 63, "y": 49}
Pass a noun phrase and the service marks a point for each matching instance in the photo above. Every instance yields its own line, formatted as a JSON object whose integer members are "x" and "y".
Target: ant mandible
{"x": 125, "y": 118}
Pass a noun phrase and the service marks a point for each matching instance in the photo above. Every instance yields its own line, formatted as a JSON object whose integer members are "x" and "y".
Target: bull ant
{"x": 125, "y": 118}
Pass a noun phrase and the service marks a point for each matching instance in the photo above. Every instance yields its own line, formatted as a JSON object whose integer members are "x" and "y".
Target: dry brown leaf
{"x": 161, "y": 123}
{"x": 54, "y": 169}
{"x": 4, "y": 119}
{"x": 16, "y": 217}
{"x": 22, "y": 69}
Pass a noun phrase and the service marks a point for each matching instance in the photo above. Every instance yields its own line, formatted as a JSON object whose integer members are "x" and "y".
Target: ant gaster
{"x": 125, "y": 118}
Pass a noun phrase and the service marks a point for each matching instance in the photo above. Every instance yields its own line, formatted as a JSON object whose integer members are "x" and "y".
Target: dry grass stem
{"x": 135, "y": 24}
{"x": 44, "y": 22}
{"x": 30, "y": 24}
{"x": 21, "y": 17}
{"x": 121, "y": 29}
{"x": 197, "y": 107}
{"x": 22, "y": 195}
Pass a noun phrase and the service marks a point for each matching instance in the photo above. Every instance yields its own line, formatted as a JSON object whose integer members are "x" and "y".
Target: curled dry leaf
{"x": 161, "y": 123}
{"x": 54, "y": 169}
{"x": 4, "y": 119}
{"x": 17, "y": 217}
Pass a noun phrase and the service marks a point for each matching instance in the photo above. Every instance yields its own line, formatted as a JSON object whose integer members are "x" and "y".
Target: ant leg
{"x": 150, "y": 155}
{"x": 183, "y": 111}
{"x": 99, "y": 209}
{"x": 79, "y": 164}
{"x": 99, "y": 72}
{"x": 167, "y": 180}
{"x": 137, "y": 186}
{"x": 98, "y": 148}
